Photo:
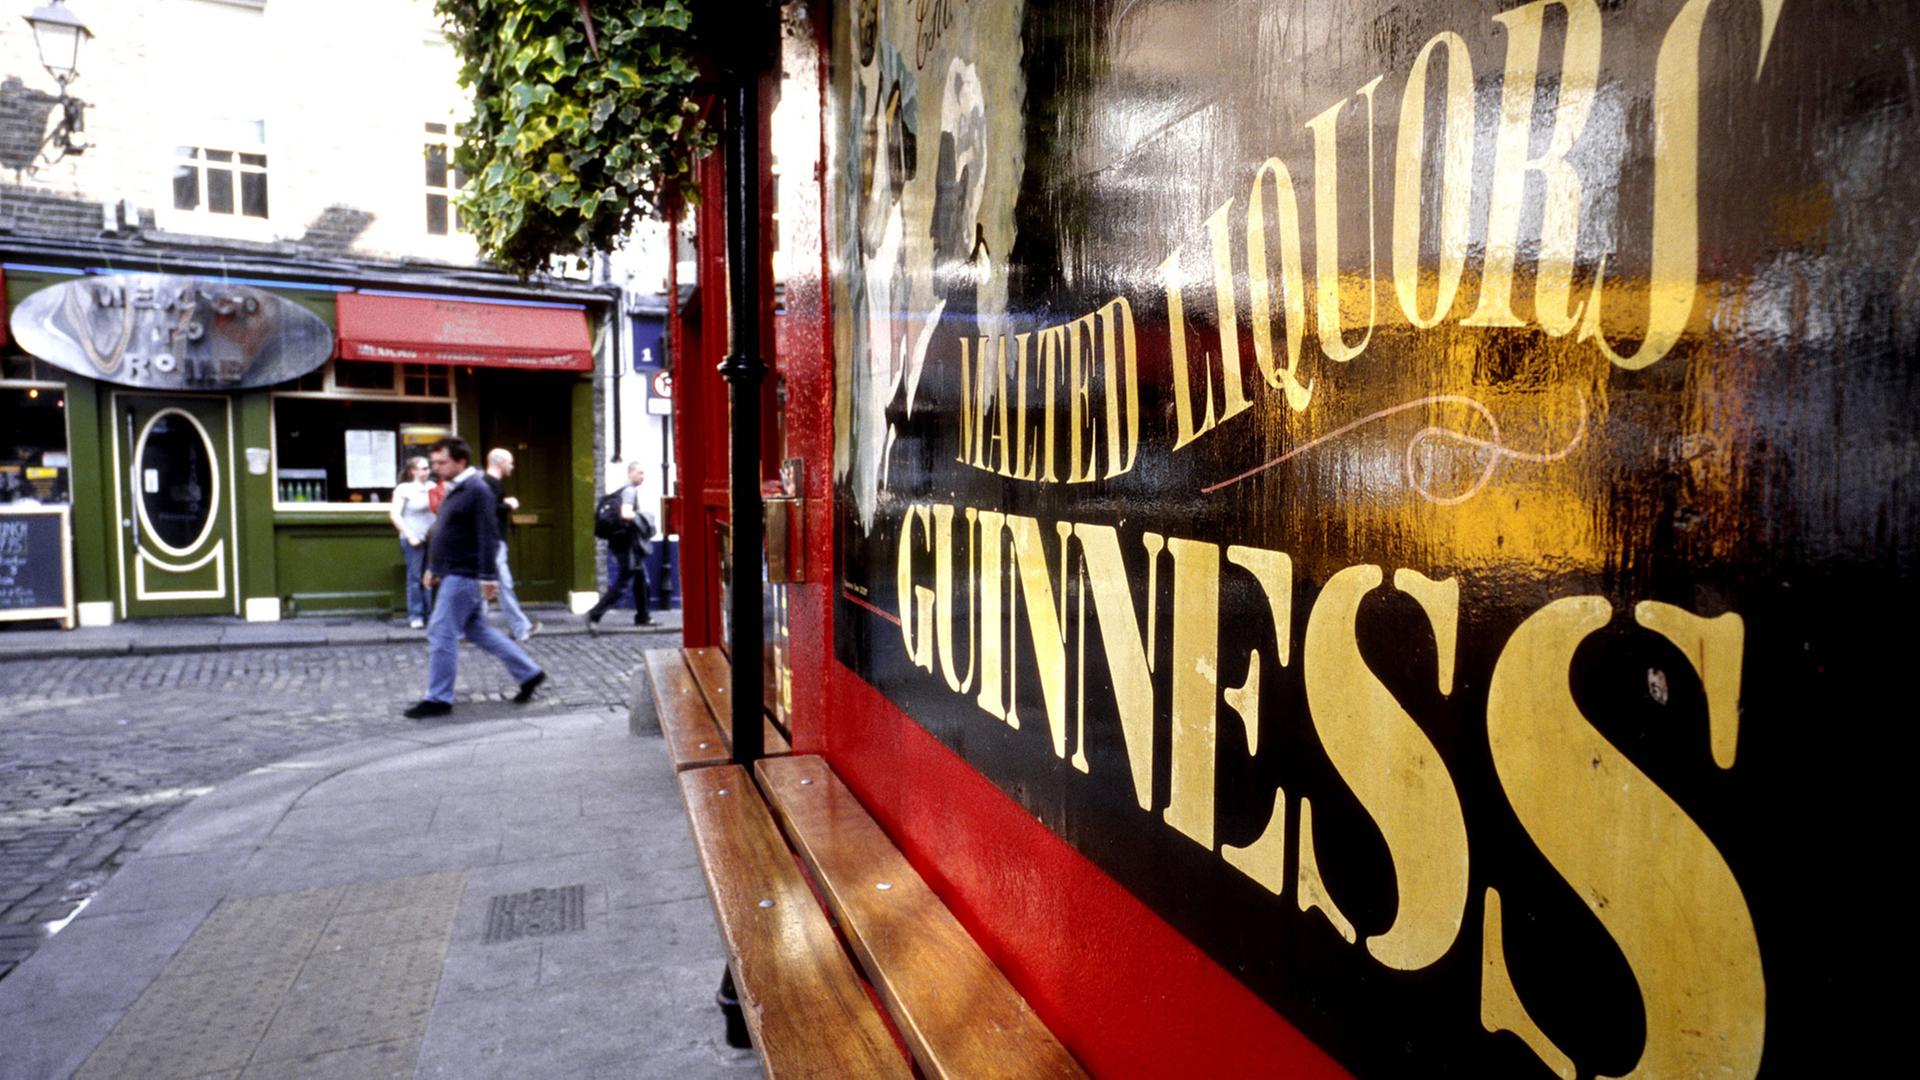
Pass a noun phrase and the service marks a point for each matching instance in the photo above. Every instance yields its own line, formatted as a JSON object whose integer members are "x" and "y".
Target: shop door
{"x": 528, "y": 415}
{"x": 175, "y": 504}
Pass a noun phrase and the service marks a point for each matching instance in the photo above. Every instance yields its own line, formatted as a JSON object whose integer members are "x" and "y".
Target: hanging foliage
{"x": 582, "y": 122}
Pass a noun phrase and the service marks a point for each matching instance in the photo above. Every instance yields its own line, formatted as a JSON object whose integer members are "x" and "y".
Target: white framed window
{"x": 212, "y": 180}
{"x": 443, "y": 181}
{"x": 335, "y": 430}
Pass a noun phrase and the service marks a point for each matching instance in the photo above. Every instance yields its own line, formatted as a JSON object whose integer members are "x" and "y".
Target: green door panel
{"x": 174, "y": 504}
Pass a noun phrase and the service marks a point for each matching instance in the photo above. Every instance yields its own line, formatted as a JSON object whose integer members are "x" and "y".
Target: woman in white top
{"x": 412, "y": 515}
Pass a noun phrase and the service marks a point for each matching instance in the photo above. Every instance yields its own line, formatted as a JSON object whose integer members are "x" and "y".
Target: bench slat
{"x": 693, "y": 739}
{"x": 804, "y": 1004}
{"x": 956, "y": 1010}
{"x": 713, "y": 672}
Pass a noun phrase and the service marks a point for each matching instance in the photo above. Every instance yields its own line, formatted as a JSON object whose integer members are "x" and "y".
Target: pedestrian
{"x": 630, "y": 547}
{"x": 412, "y": 517}
{"x": 460, "y": 561}
{"x": 499, "y": 467}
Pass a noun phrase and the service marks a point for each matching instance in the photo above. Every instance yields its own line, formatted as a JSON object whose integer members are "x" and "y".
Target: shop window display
{"x": 344, "y": 444}
{"x": 33, "y": 444}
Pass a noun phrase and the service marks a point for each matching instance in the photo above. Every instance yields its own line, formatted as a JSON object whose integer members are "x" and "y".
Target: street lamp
{"x": 57, "y": 32}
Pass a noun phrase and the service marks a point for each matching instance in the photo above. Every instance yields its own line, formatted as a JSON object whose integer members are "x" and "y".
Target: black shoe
{"x": 593, "y": 621}
{"x": 527, "y": 688}
{"x": 643, "y": 620}
{"x": 421, "y": 710}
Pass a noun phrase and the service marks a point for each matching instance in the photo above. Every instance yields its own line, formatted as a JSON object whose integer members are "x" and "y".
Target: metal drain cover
{"x": 536, "y": 913}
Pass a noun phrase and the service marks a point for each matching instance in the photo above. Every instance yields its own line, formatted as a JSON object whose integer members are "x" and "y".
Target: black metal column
{"x": 744, "y": 369}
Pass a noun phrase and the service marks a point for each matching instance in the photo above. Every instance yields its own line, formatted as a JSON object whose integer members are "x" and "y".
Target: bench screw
{"x": 723, "y": 791}
{"x": 884, "y": 885}
{"x": 806, "y": 782}
{"x": 766, "y": 903}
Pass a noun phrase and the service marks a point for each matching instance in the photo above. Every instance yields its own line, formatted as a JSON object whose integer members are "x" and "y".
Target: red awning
{"x": 442, "y": 330}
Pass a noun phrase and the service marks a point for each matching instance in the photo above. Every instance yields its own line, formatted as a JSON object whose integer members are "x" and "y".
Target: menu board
{"x": 36, "y": 567}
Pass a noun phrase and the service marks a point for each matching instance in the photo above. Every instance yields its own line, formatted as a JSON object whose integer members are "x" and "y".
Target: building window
{"x": 33, "y": 442}
{"x": 341, "y": 437}
{"x": 220, "y": 181}
{"x": 443, "y": 181}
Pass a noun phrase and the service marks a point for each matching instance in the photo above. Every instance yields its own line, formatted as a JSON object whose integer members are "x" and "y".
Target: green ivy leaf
{"x": 566, "y": 151}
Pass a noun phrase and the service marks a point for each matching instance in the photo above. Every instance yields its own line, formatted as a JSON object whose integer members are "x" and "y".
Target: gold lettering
{"x": 1456, "y": 181}
{"x": 1080, "y": 439}
{"x": 1175, "y": 280}
{"x": 1395, "y": 772}
{"x": 1713, "y": 647}
{"x": 993, "y": 661}
{"x": 1264, "y": 860}
{"x": 1045, "y": 624}
{"x": 1226, "y": 320}
{"x": 1050, "y": 346}
{"x": 943, "y": 591}
{"x": 1002, "y": 411}
{"x": 1293, "y": 289}
{"x": 1644, "y": 868}
{"x": 1326, "y": 228}
{"x": 916, "y": 601}
{"x": 1674, "y": 275}
{"x": 1129, "y": 661}
{"x": 1126, "y": 353}
{"x": 1024, "y": 463}
{"x": 967, "y": 425}
{"x": 1196, "y": 686}
{"x": 1560, "y": 220}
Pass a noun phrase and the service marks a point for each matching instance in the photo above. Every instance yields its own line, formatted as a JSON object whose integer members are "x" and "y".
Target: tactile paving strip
{"x": 294, "y": 984}
{"x": 536, "y": 913}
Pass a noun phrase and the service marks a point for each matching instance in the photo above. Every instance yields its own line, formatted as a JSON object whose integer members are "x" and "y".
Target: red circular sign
{"x": 663, "y": 384}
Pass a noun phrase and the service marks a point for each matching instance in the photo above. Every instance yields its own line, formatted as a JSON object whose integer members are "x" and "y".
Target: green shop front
{"x": 230, "y": 447}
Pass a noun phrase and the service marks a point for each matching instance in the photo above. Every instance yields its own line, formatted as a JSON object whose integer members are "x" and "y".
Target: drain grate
{"x": 536, "y": 913}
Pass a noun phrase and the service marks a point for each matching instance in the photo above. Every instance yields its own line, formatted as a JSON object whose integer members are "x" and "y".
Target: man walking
{"x": 499, "y": 467}
{"x": 630, "y": 549}
{"x": 461, "y": 554}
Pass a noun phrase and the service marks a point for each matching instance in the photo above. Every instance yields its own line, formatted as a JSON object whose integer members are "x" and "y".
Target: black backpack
{"x": 607, "y": 522}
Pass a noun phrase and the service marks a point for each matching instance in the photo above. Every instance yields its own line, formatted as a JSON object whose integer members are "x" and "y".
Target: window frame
{"x": 450, "y": 191}
{"x": 399, "y": 396}
{"x": 203, "y": 165}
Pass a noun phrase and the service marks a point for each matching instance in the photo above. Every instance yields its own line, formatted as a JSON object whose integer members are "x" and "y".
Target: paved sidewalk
{"x": 148, "y": 637}
{"x": 496, "y": 898}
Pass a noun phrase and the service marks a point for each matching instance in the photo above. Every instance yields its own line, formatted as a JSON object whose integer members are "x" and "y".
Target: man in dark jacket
{"x": 460, "y": 559}
{"x": 630, "y": 553}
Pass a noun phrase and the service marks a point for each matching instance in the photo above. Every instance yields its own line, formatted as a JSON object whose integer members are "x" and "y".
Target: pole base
{"x": 729, "y": 1001}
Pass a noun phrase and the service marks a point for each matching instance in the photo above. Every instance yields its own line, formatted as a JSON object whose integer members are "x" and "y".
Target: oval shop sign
{"x": 164, "y": 331}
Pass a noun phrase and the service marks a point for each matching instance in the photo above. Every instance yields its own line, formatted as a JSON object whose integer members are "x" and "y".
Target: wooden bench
{"x": 693, "y": 717}
{"x": 806, "y": 1006}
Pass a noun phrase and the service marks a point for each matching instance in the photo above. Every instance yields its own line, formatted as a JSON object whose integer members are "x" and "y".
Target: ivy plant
{"x": 583, "y": 122}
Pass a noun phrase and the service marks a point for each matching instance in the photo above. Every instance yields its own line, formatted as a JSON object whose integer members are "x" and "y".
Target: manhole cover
{"x": 536, "y": 913}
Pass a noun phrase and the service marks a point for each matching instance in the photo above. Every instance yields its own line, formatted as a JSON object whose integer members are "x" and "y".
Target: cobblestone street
{"x": 96, "y": 752}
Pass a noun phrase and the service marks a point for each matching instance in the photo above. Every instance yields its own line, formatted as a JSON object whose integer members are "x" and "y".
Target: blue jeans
{"x": 517, "y": 622}
{"x": 419, "y": 600}
{"x": 460, "y": 610}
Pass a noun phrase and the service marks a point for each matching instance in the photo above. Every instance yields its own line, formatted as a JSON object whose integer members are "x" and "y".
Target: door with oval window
{"x": 175, "y": 505}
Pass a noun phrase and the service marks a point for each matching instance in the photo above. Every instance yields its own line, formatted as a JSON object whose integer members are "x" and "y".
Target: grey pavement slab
{"x": 327, "y": 917}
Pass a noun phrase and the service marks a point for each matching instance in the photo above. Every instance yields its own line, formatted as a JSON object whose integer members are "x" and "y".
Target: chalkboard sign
{"x": 36, "y": 564}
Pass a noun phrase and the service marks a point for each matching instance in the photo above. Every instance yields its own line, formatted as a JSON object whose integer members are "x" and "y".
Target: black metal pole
{"x": 744, "y": 369}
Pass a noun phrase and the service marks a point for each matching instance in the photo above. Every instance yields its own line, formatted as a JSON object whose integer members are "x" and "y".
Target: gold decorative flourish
{"x": 1496, "y": 448}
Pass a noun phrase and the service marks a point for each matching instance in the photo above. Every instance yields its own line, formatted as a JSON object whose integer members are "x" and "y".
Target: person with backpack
{"x": 629, "y": 533}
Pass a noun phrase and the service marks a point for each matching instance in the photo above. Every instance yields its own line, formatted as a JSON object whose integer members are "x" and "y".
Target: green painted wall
{"x": 329, "y": 564}
{"x": 584, "y": 482}
{"x": 259, "y": 555}
{"x": 95, "y": 531}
